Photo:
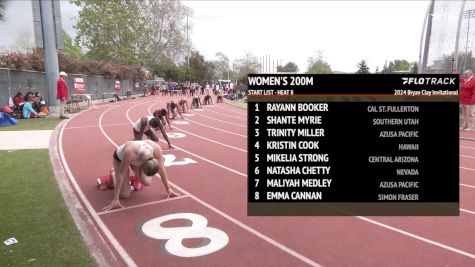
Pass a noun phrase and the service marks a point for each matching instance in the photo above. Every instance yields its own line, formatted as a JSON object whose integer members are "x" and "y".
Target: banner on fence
{"x": 117, "y": 85}
{"x": 79, "y": 85}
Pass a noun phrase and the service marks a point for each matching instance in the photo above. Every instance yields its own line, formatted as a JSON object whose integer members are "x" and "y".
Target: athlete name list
{"x": 287, "y": 127}
{"x": 365, "y": 151}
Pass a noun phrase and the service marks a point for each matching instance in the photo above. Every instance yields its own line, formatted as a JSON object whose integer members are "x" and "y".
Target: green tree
{"x": 316, "y": 65}
{"x": 168, "y": 29}
{"x": 112, "y": 30}
{"x": 71, "y": 50}
{"x": 402, "y": 65}
{"x": 391, "y": 67}
{"x": 166, "y": 69}
{"x": 221, "y": 66}
{"x": 377, "y": 69}
{"x": 244, "y": 66}
{"x": 200, "y": 69}
{"x": 289, "y": 67}
{"x": 3, "y": 9}
{"x": 362, "y": 67}
{"x": 398, "y": 65}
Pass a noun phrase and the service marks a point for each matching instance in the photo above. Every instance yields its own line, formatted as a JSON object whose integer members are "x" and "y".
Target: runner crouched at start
{"x": 183, "y": 105}
{"x": 172, "y": 109}
{"x": 208, "y": 100}
{"x": 145, "y": 158}
{"x": 161, "y": 114}
{"x": 148, "y": 125}
{"x": 196, "y": 102}
{"x": 219, "y": 97}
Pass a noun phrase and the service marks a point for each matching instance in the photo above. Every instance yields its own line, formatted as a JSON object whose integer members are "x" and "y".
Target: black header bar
{"x": 347, "y": 84}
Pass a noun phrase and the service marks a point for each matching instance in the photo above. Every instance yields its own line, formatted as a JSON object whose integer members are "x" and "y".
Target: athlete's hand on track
{"x": 115, "y": 204}
{"x": 172, "y": 194}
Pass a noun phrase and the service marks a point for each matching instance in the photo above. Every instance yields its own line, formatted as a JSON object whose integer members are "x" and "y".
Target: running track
{"x": 209, "y": 169}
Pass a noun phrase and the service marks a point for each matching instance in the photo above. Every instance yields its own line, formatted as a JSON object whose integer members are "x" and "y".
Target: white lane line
{"x": 97, "y": 125}
{"x": 226, "y": 216}
{"x": 245, "y": 119}
{"x": 199, "y": 114}
{"x": 466, "y": 156}
{"x": 209, "y": 140}
{"x": 142, "y": 205}
{"x": 468, "y": 211}
{"x": 466, "y": 185}
{"x": 233, "y": 108}
{"x": 465, "y": 168}
{"x": 423, "y": 239}
{"x": 218, "y": 129}
{"x": 468, "y": 147}
{"x": 125, "y": 256}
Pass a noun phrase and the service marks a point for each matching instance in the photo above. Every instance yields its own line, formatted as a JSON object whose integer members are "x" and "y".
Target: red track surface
{"x": 215, "y": 186}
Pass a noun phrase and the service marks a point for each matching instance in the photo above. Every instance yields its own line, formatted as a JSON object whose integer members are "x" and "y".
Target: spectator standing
{"x": 62, "y": 94}
{"x": 467, "y": 101}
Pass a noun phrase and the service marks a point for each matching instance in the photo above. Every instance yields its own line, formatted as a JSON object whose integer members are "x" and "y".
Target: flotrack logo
{"x": 428, "y": 81}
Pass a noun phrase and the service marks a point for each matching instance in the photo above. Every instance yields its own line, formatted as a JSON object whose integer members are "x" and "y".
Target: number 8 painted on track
{"x": 175, "y": 235}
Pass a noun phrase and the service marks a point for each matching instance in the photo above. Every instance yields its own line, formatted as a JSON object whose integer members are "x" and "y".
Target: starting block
{"x": 106, "y": 182}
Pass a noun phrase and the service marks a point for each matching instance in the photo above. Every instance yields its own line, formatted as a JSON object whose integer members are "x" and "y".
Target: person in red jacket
{"x": 62, "y": 94}
{"x": 467, "y": 101}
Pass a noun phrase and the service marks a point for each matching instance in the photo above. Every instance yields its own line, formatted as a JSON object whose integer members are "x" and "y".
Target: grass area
{"x": 238, "y": 103}
{"x": 32, "y": 124}
{"x": 33, "y": 211}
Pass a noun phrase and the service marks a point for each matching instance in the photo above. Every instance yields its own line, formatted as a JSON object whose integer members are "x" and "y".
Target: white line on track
{"x": 199, "y": 114}
{"x": 220, "y": 113}
{"x": 467, "y": 147}
{"x": 209, "y": 140}
{"x": 97, "y": 125}
{"x": 394, "y": 229}
{"x": 245, "y": 136}
{"x": 233, "y": 109}
{"x": 465, "y": 168}
{"x": 125, "y": 256}
{"x": 466, "y": 185}
{"x": 141, "y": 205}
{"x": 466, "y": 156}
{"x": 468, "y": 211}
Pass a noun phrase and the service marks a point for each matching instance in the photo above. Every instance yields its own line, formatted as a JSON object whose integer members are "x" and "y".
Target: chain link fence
{"x": 13, "y": 81}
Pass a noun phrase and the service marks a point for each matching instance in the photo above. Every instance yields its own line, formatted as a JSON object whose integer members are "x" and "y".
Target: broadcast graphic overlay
{"x": 349, "y": 144}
